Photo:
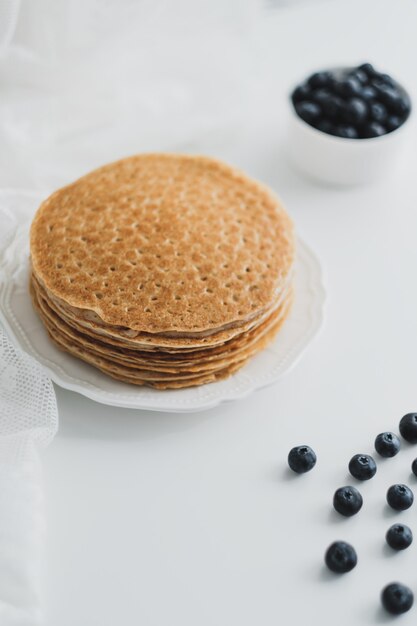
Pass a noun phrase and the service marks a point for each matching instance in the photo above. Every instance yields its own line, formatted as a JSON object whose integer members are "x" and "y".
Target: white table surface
{"x": 186, "y": 520}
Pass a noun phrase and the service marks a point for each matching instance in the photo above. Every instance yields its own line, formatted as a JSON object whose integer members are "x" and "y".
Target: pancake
{"x": 160, "y": 380}
{"x": 163, "y": 243}
{"x": 150, "y": 342}
{"x": 173, "y": 364}
{"x": 163, "y": 270}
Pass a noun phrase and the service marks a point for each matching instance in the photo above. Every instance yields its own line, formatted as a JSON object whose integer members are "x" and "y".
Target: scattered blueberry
{"x": 308, "y": 111}
{"x": 397, "y": 598}
{"x": 400, "y": 497}
{"x": 374, "y": 129}
{"x": 414, "y": 467}
{"x": 301, "y": 459}
{"x": 362, "y": 466}
{"x": 340, "y": 557}
{"x": 378, "y": 112}
{"x": 387, "y": 444}
{"x": 399, "y": 537}
{"x": 408, "y": 427}
{"x": 347, "y": 501}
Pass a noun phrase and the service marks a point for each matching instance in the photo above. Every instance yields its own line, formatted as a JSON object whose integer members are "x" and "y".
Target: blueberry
{"x": 360, "y": 76}
{"x": 388, "y": 95}
{"x": 385, "y": 79}
{"x": 349, "y": 132}
{"x": 374, "y": 129}
{"x": 362, "y": 466}
{"x": 355, "y": 111}
{"x": 402, "y": 106}
{"x": 393, "y": 122}
{"x": 368, "y": 69}
{"x": 396, "y": 102}
{"x": 333, "y": 107}
{"x": 347, "y": 87}
{"x": 368, "y": 93}
{"x": 399, "y": 537}
{"x": 308, "y": 111}
{"x": 414, "y": 467}
{"x": 320, "y": 95}
{"x": 408, "y": 427}
{"x": 387, "y": 444}
{"x": 397, "y": 598}
{"x": 301, "y": 459}
{"x": 347, "y": 501}
{"x": 340, "y": 557}
{"x": 320, "y": 79}
{"x": 325, "y": 126}
{"x": 302, "y": 92}
{"x": 400, "y": 497}
{"x": 378, "y": 112}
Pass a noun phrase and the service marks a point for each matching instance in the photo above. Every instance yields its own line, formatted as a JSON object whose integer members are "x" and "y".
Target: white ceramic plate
{"x": 27, "y": 332}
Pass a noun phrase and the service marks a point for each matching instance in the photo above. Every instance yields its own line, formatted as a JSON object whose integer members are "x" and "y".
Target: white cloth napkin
{"x": 9, "y": 10}
{"x": 28, "y": 422}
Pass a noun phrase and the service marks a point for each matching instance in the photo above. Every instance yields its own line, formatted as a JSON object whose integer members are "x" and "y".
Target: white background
{"x": 187, "y": 520}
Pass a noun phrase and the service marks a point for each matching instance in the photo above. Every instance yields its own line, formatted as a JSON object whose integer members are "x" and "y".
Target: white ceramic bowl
{"x": 342, "y": 161}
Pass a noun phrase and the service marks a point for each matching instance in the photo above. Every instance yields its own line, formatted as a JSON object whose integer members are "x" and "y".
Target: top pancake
{"x": 161, "y": 243}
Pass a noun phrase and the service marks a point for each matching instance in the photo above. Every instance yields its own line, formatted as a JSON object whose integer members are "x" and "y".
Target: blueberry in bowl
{"x": 360, "y": 98}
{"x": 346, "y": 124}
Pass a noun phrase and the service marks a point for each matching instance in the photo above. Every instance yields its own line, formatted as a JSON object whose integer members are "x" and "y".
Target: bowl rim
{"x": 355, "y": 141}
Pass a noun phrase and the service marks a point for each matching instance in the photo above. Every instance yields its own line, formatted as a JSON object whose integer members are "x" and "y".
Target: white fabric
{"x": 9, "y": 10}
{"x": 28, "y": 408}
{"x": 22, "y": 523}
{"x": 28, "y": 422}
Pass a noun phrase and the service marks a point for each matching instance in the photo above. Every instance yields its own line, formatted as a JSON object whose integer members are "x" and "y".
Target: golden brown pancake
{"x": 163, "y": 269}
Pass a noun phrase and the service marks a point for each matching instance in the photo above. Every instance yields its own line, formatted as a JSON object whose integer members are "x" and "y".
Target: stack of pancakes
{"x": 162, "y": 270}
